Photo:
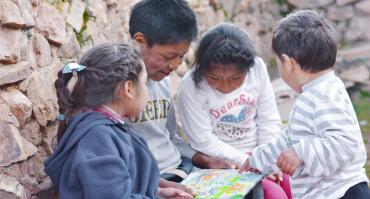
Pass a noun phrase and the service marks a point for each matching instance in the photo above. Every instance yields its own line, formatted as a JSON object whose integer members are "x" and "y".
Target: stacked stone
{"x": 38, "y": 36}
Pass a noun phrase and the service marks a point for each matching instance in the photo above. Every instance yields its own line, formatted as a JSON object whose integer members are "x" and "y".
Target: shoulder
{"x": 187, "y": 86}
{"x": 105, "y": 138}
{"x": 187, "y": 80}
{"x": 259, "y": 69}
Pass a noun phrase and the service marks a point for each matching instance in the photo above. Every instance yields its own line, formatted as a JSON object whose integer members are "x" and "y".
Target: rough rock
{"x": 75, "y": 14}
{"x": 51, "y": 23}
{"x": 25, "y": 8}
{"x": 340, "y": 13}
{"x": 30, "y": 184}
{"x": 19, "y": 104}
{"x": 15, "y": 72}
{"x": 344, "y": 2}
{"x": 358, "y": 29}
{"x": 98, "y": 9}
{"x": 10, "y": 188}
{"x": 10, "y": 15}
{"x": 309, "y": 3}
{"x": 42, "y": 50}
{"x": 31, "y": 131}
{"x": 359, "y": 74}
{"x": 6, "y": 114}
{"x": 363, "y": 7}
{"x": 71, "y": 48}
{"x": 9, "y": 45}
{"x": 356, "y": 52}
{"x": 13, "y": 147}
{"x": 49, "y": 139}
{"x": 40, "y": 90}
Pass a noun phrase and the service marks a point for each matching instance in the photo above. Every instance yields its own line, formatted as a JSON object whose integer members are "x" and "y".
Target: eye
{"x": 214, "y": 78}
{"x": 235, "y": 78}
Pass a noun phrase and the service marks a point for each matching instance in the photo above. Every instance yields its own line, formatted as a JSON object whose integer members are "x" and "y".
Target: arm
{"x": 196, "y": 122}
{"x": 264, "y": 158}
{"x": 103, "y": 173}
{"x": 184, "y": 148}
{"x": 268, "y": 119}
{"x": 198, "y": 159}
{"x": 338, "y": 143}
{"x": 106, "y": 177}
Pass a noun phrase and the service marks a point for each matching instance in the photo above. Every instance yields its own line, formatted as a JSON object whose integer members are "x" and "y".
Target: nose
{"x": 225, "y": 86}
{"x": 174, "y": 64}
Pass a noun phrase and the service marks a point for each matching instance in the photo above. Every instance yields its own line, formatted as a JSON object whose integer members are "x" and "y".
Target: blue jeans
{"x": 358, "y": 191}
{"x": 185, "y": 165}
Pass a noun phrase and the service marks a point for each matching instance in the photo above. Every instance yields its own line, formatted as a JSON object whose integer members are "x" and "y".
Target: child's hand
{"x": 276, "y": 177}
{"x": 167, "y": 193}
{"x": 288, "y": 161}
{"x": 245, "y": 167}
{"x": 169, "y": 184}
{"x": 207, "y": 162}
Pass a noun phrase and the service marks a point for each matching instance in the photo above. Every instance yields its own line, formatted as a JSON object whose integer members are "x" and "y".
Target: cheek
{"x": 155, "y": 64}
{"x": 238, "y": 83}
{"x": 212, "y": 83}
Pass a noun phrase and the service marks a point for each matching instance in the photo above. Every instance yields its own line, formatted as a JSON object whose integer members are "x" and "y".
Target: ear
{"x": 125, "y": 90}
{"x": 140, "y": 38}
{"x": 289, "y": 63}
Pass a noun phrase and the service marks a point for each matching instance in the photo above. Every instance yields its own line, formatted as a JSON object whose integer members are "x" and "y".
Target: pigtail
{"x": 70, "y": 94}
{"x": 64, "y": 102}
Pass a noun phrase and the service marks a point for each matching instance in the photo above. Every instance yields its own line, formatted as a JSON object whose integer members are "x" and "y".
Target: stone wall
{"x": 38, "y": 36}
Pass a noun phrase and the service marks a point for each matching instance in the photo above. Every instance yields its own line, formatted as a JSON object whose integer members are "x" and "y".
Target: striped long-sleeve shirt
{"x": 324, "y": 131}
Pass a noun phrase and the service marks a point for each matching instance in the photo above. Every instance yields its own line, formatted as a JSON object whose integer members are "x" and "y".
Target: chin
{"x": 158, "y": 77}
{"x": 225, "y": 92}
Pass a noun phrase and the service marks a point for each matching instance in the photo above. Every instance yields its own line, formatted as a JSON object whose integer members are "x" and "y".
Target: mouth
{"x": 165, "y": 73}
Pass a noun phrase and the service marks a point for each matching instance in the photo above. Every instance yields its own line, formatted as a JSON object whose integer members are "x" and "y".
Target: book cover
{"x": 221, "y": 183}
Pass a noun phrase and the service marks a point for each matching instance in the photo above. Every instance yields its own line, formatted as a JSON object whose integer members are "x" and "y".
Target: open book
{"x": 221, "y": 183}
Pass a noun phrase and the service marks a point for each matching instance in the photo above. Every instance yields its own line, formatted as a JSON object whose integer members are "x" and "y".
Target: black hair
{"x": 163, "y": 21}
{"x": 223, "y": 44}
{"x": 107, "y": 66}
{"x": 307, "y": 37}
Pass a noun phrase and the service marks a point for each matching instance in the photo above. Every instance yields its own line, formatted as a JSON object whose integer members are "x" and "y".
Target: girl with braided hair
{"x": 98, "y": 155}
{"x": 226, "y": 102}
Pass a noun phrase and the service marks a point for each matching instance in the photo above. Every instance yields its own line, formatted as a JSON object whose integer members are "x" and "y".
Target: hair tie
{"x": 62, "y": 117}
{"x": 72, "y": 67}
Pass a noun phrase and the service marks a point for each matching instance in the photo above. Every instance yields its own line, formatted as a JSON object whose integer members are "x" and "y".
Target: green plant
{"x": 80, "y": 35}
{"x": 58, "y": 4}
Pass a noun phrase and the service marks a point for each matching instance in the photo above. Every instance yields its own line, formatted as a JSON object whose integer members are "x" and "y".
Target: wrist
{"x": 199, "y": 160}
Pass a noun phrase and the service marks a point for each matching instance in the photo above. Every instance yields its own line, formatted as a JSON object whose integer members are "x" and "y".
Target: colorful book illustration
{"x": 221, "y": 183}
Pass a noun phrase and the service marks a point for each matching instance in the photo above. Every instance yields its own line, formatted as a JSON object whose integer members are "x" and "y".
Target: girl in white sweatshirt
{"x": 226, "y": 102}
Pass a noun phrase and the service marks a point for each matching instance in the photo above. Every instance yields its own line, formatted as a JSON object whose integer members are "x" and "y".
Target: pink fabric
{"x": 272, "y": 190}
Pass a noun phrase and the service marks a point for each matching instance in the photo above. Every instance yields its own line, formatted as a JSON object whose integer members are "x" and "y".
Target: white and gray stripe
{"x": 326, "y": 136}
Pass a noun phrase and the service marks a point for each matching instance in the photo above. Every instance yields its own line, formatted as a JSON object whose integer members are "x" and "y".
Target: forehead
{"x": 224, "y": 70}
{"x": 171, "y": 49}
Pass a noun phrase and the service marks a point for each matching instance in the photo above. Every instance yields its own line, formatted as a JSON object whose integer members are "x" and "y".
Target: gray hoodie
{"x": 157, "y": 125}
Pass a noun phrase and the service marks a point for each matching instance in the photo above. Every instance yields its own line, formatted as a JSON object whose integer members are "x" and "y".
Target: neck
{"x": 116, "y": 108}
{"x": 305, "y": 77}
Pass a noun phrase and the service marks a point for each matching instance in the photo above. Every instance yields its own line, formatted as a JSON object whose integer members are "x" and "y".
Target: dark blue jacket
{"x": 98, "y": 158}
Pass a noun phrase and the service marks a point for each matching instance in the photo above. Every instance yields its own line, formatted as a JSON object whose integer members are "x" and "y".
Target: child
{"x": 98, "y": 156}
{"x": 322, "y": 147}
{"x": 164, "y": 29}
{"x": 226, "y": 103}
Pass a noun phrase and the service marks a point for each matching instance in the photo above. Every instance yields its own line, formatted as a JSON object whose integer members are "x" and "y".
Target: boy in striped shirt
{"x": 322, "y": 149}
